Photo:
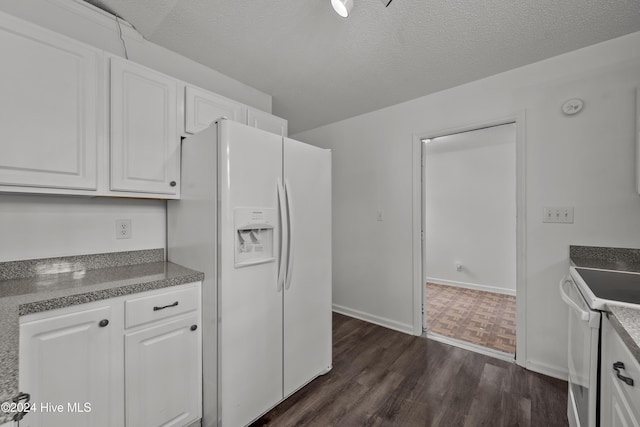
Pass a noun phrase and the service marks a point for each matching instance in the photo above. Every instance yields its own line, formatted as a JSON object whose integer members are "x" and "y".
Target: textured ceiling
{"x": 321, "y": 68}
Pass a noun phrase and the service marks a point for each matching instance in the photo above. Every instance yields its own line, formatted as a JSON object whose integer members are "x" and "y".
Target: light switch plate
{"x": 558, "y": 214}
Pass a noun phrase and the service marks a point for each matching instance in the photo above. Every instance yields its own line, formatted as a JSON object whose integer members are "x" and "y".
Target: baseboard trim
{"x": 474, "y": 286}
{"x": 372, "y": 318}
{"x": 472, "y": 347}
{"x": 548, "y": 370}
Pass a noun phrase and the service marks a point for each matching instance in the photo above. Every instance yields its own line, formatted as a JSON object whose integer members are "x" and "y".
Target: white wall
{"x": 470, "y": 209}
{"x": 50, "y": 226}
{"x": 585, "y": 161}
{"x": 81, "y": 21}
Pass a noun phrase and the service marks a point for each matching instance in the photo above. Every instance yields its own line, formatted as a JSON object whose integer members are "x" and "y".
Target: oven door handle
{"x": 584, "y": 315}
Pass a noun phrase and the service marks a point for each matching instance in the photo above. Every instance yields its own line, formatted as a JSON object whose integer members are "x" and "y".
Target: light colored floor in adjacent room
{"x": 482, "y": 318}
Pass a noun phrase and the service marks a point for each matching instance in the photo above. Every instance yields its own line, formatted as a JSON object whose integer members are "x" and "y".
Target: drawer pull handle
{"x": 165, "y": 306}
{"x": 173, "y": 183}
{"x": 616, "y": 367}
{"x": 22, "y": 398}
{"x": 103, "y": 323}
{"x": 194, "y": 327}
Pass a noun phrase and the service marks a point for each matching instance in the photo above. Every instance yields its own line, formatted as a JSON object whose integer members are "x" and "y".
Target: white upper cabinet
{"x": 145, "y": 147}
{"x": 48, "y": 109}
{"x": 203, "y": 108}
{"x": 76, "y": 120}
{"x": 265, "y": 121}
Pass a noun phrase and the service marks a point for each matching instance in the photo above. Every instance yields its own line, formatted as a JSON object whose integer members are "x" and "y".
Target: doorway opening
{"x": 469, "y": 238}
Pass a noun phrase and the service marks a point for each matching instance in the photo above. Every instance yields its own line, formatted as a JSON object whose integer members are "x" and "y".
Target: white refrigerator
{"x": 255, "y": 217}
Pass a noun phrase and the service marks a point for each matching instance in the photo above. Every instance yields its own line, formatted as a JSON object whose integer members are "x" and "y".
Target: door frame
{"x": 418, "y": 219}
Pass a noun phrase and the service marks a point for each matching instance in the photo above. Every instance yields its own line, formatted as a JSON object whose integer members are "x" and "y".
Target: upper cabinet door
{"x": 48, "y": 108}
{"x": 145, "y": 147}
{"x": 203, "y": 108}
{"x": 265, "y": 121}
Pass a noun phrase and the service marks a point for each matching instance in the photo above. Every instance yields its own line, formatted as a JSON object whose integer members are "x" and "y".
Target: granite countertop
{"x": 617, "y": 259}
{"x": 33, "y": 286}
{"x": 625, "y": 320}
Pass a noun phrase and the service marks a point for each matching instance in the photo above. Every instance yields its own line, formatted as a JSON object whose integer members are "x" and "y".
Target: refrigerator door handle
{"x": 290, "y": 235}
{"x": 283, "y": 235}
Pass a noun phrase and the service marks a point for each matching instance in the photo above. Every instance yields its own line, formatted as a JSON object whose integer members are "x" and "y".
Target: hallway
{"x": 483, "y": 318}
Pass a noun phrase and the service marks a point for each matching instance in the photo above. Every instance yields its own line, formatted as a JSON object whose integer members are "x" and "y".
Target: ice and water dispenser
{"x": 254, "y": 236}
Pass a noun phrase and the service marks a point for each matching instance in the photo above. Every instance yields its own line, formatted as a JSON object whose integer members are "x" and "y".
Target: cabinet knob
{"x": 194, "y": 327}
{"x": 173, "y": 183}
{"x": 103, "y": 323}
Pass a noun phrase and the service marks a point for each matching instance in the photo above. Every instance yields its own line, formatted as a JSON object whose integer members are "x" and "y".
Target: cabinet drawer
{"x": 618, "y": 352}
{"x": 160, "y": 306}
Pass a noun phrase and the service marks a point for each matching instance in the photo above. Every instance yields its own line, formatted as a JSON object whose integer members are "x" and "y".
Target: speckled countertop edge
{"x": 626, "y": 322}
{"x": 619, "y": 259}
{"x": 145, "y": 270}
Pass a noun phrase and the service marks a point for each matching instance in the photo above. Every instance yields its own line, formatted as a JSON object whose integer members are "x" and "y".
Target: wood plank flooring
{"x": 382, "y": 377}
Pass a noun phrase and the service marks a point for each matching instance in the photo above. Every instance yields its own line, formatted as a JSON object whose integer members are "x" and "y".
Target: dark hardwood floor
{"x": 385, "y": 378}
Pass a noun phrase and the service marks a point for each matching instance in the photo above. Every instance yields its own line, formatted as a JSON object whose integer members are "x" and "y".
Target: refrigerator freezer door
{"x": 307, "y": 298}
{"x": 249, "y": 303}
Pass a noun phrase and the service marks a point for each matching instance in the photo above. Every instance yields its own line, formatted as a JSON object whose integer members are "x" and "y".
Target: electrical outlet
{"x": 123, "y": 229}
{"x": 562, "y": 214}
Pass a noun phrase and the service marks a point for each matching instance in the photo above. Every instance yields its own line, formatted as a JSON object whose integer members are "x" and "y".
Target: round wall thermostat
{"x": 572, "y": 106}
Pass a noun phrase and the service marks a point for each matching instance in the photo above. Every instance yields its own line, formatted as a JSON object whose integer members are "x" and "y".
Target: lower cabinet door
{"x": 621, "y": 415}
{"x": 65, "y": 365}
{"x": 163, "y": 374}
{"x": 618, "y": 400}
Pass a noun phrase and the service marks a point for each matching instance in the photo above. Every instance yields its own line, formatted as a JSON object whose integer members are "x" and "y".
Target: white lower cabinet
{"x": 620, "y": 381}
{"x": 67, "y": 370}
{"x": 83, "y": 368}
{"x": 163, "y": 381}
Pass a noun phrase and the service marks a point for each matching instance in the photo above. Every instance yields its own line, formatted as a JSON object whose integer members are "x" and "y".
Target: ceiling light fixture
{"x": 342, "y": 7}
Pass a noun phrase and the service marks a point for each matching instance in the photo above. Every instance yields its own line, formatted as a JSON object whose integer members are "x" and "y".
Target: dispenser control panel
{"x": 254, "y": 228}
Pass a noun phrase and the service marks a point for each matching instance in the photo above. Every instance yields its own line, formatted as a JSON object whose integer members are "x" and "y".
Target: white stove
{"x": 612, "y": 287}
{"x": 587, "y": 292}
